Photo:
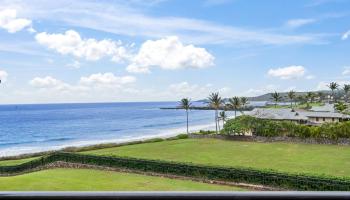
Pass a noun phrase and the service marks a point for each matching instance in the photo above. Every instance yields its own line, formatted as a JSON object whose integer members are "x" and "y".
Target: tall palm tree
{"x": 276, "y": 97}
{"x": 215, "y": 102}
{"x": 333, "y": 86}
{"x": 291, "y": 96}
{"x": 346, "y": 89}
{"x": 185, "y": 103}
{"x": 223, "y": 117}
{"x": 244, "y": 101}
{"x": 235, "y": 103}
{"x": 310, "y": 96}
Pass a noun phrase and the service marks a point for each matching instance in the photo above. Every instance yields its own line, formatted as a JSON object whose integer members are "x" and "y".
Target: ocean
{"x": 41, "y": 127}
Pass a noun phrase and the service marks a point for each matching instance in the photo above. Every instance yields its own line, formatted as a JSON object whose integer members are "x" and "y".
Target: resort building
{"x": 298, "y": 116}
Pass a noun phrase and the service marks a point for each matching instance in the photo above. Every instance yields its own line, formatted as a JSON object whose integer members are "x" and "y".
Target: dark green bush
{"x": 233, "y": 174}
{"x": 182, "y": 136}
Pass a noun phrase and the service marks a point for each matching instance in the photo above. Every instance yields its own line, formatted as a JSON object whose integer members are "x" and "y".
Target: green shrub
{"x": 182, "y": 136}
{"x": 271, "y": 128}
{"x": 232, "y": 174}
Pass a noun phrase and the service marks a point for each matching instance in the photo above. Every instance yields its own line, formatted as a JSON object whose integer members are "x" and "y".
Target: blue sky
{"x": 160, "y": 50}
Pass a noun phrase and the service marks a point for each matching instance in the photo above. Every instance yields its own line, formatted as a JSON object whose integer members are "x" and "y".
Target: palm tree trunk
{"x": 235, "y": 113}
{"x": 216, "y": 121}
{"x": 187, "y": 120}
{"x": 219, "y": 124}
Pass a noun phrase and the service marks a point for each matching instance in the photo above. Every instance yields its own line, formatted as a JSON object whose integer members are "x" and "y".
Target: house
{"x": 298, "y": 116}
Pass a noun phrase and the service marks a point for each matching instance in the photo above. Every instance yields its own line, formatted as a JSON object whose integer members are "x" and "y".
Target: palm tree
{"x": 333, "y": 86}
{"x": 291, "y": 96}
{"x": 223, "y": 116}
{"x": 276, "y": 97}
{"x": 346, "y": 89}
{"x": 244, "y": 101}
{"x": 215, "y": 102}
{"x": 185, "y": 103}
{"x": 235, "y": 103}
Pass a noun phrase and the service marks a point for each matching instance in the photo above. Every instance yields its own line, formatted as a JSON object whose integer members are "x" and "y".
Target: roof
{"x": 278, "y": 114}
{"x": 325, "y": 108}
{"x": 288, "y": 114}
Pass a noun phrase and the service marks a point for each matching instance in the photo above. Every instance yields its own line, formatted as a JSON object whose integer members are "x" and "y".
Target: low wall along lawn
{"x": 242, "y": 175}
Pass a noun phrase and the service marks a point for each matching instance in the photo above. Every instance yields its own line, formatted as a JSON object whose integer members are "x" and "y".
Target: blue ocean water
{"x": 40, "y": 127}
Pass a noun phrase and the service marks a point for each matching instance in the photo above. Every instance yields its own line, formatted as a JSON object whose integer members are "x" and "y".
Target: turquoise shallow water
{"x": 39, "y": 127}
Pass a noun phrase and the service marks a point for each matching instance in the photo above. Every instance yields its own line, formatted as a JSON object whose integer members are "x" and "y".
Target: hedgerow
{"x": 243, "y": 175}
{"x": 270, "y": 128}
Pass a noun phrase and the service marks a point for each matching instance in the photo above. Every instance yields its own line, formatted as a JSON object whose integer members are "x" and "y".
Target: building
{"x": 298, "y": 116}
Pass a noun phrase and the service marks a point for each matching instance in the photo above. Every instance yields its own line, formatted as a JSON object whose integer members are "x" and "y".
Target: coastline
{"x": 164, "y": 134}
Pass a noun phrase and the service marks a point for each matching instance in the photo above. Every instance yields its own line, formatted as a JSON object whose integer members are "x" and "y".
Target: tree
{"x": 320, "y": 96}
{"x": 340, "y": 106}
{"x": 223, "y": 116}
{"x": 215, "y": 102}
{"x": 346, "y": 89}
{"x": 185, "y": 103}
{"x": 235, "y": 104}
{"x": 333, "y": 86}
{"x": 244, "y": 101}
{"x": 276, "y": 97}
{"x": 291, "y": 96}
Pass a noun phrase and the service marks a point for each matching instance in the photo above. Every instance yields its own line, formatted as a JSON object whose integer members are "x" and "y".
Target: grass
{"x": 16, "y": 162}
{"x": 96, "y": 180}
{"x": 285, "y": 157}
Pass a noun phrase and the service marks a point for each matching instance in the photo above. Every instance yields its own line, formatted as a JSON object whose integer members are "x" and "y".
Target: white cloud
{"x": 169, "y": 53}
{"x": 346, "y": 71}
{"x": 194, "y": 91}
{"x": 290, "y": 72}
{"x": 106, "y": 79}
{"x": 259, "y": 91}
{"x": 129, "y": 20}
{"x": 75, "y": 64}
{"x": 71, "y": 43}
{"x": 296, "y": 23}
{"x": 309, "y": 77}
{"x": 345, "y": 35}
{"x": 3, "y": 76}
{"x": 10, "y": 22}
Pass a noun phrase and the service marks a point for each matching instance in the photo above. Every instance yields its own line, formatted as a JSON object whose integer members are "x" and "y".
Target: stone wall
{"x": 340, "y": 141}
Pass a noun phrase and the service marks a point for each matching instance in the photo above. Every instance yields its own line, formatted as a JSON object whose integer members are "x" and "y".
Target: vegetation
{"x": 340, "y": 106}
{"x": 270, "y": 128}
{"x": 97, "y": 180}
{"x": 235, "y": 104}
{"x": 333, "y": 86}
{"x": 185, "y": 103}
{"x": 223, "y": 117}
{"x": 215, "y": 102}
{"x": 283, "y": 157}
{"x": 16, "y": 161}
{"x": 276, "y": 97}
{"x": 291, "y": 96}
{"x": 297, "y": 181}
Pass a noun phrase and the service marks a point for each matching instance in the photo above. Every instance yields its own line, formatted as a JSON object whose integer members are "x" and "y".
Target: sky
{"x": 165, "y": 50}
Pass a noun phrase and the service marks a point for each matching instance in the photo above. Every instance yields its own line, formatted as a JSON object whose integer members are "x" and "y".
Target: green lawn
{"x": 96, "y": 180}
{"x": 16, "y": 162}
{"x": 285, "y": 157}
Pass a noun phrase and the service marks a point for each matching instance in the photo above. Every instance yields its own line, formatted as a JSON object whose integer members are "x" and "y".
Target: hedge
{"x": 232, "y": 174}
{"x": 271, "y": 128}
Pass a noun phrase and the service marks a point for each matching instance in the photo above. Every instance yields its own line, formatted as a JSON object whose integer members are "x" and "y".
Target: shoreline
{"x": 26, "y": 151}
